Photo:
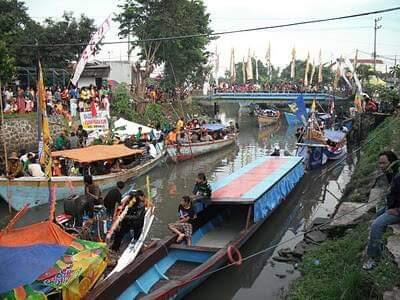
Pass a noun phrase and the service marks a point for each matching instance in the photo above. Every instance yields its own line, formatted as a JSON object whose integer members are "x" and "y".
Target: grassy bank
{"x": 385, "y": 137}
{"x": 334, "y": 269}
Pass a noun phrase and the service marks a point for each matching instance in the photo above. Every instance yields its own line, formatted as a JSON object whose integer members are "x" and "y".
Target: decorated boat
{"x": 268, "y": 117}
{"x": 319, "y": 146}
{"x": 180, "y": 152}
{"x": 42, "y": 260}
{"x": 34, "y": 190}
{"x": 240, "y": 203}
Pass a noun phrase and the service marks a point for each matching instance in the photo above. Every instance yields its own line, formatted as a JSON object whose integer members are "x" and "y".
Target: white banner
{"x": 90, "y": 49}
{"x": 90, "y": 123}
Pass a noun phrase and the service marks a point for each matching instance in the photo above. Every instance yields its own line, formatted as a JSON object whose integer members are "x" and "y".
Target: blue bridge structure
{"x": 245, "y": 99}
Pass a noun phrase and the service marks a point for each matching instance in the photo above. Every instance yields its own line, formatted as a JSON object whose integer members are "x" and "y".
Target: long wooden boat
{"x": 268, "y": 117}
{"x": 187, "y": 151}
{"x": 34, "y": 190}
{"x": 241, "y": 202}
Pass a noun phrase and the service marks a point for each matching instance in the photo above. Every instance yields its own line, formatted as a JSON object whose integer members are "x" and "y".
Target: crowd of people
{"x": 278, "y": 87}
{"x": 67, "y": 101}
{"x": 195, "y": 131}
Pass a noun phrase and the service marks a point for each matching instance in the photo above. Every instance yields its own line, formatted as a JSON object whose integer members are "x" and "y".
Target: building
{"x": 96, "y": 72}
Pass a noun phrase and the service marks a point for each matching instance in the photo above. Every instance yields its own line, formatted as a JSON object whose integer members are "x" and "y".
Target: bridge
{"x": 245, "y": 99}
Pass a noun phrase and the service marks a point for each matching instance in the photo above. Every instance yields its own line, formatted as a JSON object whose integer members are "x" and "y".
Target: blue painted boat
{"x": 241, "y": 202}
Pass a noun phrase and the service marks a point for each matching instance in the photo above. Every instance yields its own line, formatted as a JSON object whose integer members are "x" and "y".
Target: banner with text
{"x": 99, "y": 122}
{"x": 90, "y": 49}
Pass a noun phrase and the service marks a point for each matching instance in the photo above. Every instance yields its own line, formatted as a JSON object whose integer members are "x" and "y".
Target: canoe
{"x": 268, "y": 119}
{"x": 34, "y": 190}
{"x": 235, "y": 212}
{"x": 187, "y": 151}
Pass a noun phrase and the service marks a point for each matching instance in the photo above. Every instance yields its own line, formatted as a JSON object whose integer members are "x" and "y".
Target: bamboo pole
{"x": 5, "y": 148}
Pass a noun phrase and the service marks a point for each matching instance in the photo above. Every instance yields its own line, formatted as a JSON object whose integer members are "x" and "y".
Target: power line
{"x": 229, "y": 31}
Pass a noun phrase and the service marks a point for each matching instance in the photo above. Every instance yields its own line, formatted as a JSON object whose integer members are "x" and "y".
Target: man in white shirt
{"x": 34, "y": 169}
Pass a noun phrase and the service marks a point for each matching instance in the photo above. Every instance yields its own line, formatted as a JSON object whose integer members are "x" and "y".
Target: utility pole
{"x": 376, "y": 27}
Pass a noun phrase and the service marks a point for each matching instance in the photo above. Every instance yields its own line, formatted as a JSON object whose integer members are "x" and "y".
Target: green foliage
{"x": 363, "y": 71}
{"x": 7, "y": 68}
{"x": 383, "y": 93}
{"x": 395, "y": 71}
{"x": 384, "y": 137}
{"x": 121, "y": 105}
{"x": 154, "y": 114}
{"x": 339, "y": 274}
{"x": 16, "y": 28}
{"x": 183, "y": 58}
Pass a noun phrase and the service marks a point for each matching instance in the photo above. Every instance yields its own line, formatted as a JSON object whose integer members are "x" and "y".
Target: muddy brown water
{"x": 259, "y": 277}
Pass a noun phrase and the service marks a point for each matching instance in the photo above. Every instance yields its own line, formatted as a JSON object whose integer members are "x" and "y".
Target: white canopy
{"x": 130, "y": 128}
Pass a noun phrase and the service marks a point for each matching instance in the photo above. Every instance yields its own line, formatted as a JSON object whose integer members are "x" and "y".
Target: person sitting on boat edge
{"x": 92, "y": 190}
{"x": 113, "y": 198}
{"x": 134, "y": 219}
{"x": 201, "y": 189}
{"x": 183, "y": 227}
{"x": 277, "y": 151}
{"x": 388, "y": 162}
{"x": 14, "y": 169}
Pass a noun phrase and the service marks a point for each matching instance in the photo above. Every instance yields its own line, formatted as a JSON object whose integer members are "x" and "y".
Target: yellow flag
{"x": 314, "y": 106}
{"x": 45, "y": 155}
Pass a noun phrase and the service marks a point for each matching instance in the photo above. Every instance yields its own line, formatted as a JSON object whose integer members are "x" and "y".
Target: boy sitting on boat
{"x": 201, "y": 189}
{"x": 183, "y": 227}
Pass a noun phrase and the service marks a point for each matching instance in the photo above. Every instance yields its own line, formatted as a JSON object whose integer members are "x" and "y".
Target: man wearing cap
{"x": 14, "y": 166}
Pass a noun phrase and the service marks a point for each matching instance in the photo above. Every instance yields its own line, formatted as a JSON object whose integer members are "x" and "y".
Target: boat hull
{"x": 266, "y": 121}
{"x": 35, "y": 190}
{"x": 184, "y": 152}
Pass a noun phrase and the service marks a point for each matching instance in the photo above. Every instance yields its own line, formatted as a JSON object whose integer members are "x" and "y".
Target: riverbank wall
{"x": 20, "y": 132}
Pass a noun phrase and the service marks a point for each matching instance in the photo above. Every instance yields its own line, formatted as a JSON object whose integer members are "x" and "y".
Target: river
{"x": 259, "y": 277}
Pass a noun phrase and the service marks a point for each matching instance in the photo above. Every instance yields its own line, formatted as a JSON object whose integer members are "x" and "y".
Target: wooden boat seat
{"x": 193, "y": 248}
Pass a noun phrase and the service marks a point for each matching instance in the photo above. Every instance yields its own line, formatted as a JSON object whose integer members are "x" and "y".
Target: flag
{"x": 268, "y": 59}
{"x": 216, "y": 65}
{"x": 358, "y": 102}
{"x": 255, "y": 57}
{"x": 249, "y": 67}
{"x": 307, "y": 69}
{"x": 314, "y": 106}
{"x": 300, "y": 109}
{"x": 90, "y": 49}
{"x": 233, "y": 67}
{"x": 244, "y": 70}
{"x": 312, "y": 72}
{"x": 293, "y": 67}
{"x": 355, "y": 60}
{"x": 45, "y": 155}
{"x": 356, "y": 80}
{"x": 337, "y": 73}
{"x": 320, "y": 67}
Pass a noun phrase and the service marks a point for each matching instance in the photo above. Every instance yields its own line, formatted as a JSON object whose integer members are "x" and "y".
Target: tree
{"x": 183, "y": 59}
{"x": 395, "y": 71}
{"x": 363, "y": 71}
{"x": 7, "y": 67}
{"x": 18, "y": 29}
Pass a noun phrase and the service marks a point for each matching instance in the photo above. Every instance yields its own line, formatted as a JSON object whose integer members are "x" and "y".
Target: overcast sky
{"x": 334, "y": 38}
